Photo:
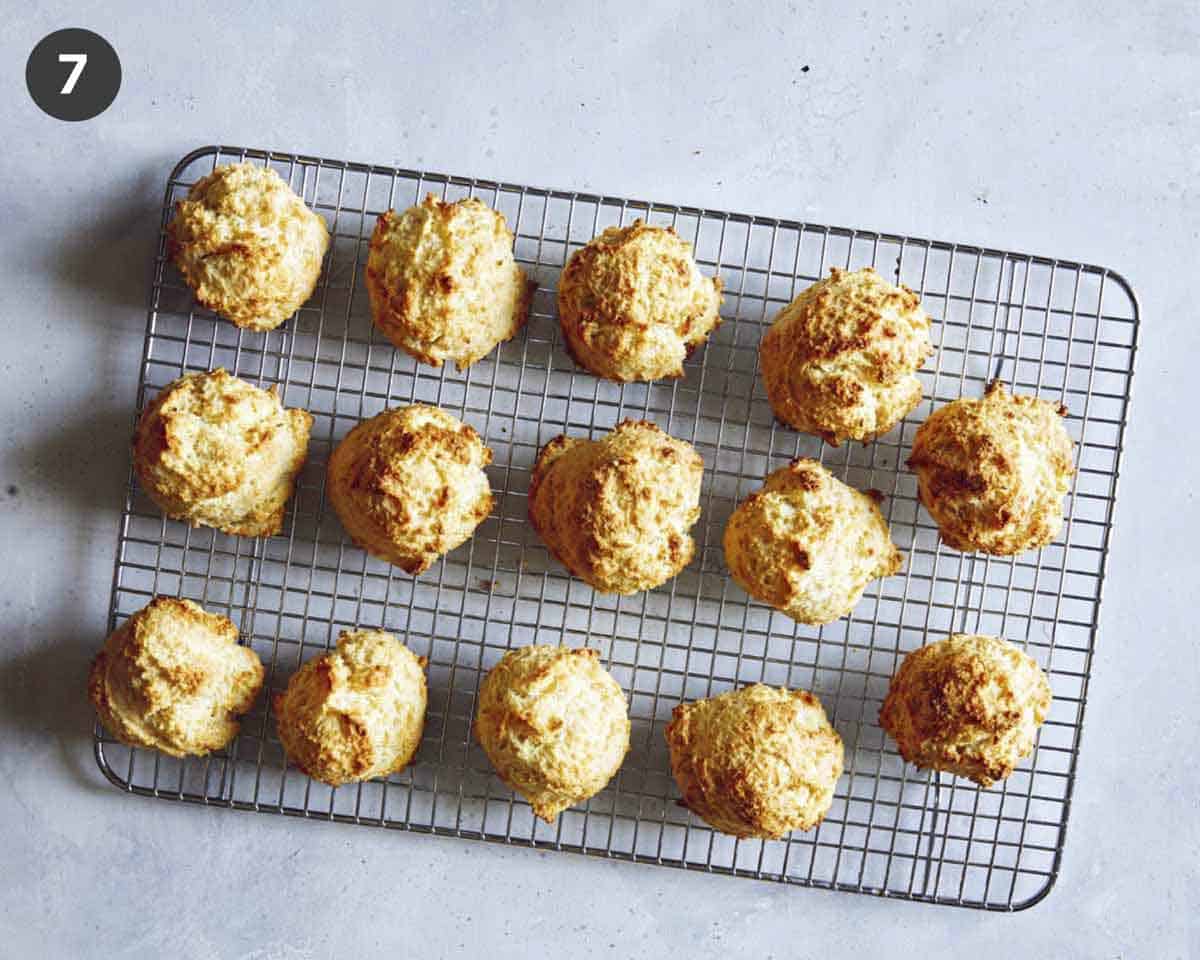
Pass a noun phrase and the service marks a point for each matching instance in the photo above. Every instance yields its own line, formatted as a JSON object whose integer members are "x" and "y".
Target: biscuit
{"x": 634, "y": 305}
{"x": 808, "y": 544}
{"x": 443, "y": 282}
{"x": 173, "y": 678}
{"x": 993, "y": 472}
{"x": 554, "y": 724}
{"x": 617, "y": 511}
{"x": 758, "y": 762}
{"x": 213, "y": 450}
{"x": 356, "y": 712}
{"x": 840, "y": 360}
{"x": 247, "y": 245}
{"x": 968, "y": 705}
{"x": 409, "y": 485}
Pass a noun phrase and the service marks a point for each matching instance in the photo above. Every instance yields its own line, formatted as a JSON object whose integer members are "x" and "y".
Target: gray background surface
{"x": 1070, "y": 129}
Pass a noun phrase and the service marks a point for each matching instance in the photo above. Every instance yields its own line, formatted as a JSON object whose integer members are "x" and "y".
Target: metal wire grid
{"x": 1064, "y": 330}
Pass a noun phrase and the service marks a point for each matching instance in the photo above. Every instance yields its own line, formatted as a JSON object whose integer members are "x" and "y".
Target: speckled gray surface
{"x": 1070, "y": 129}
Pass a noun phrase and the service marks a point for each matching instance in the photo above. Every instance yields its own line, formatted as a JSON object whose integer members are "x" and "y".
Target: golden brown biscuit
{"x": 758, "y": 762}
{"x": 173, "y": 678}
{"x": 633, "y": 303}
{"x": 247, "y": 245}
{"x": 213, "y": 450}
{"x": 443, "y": 282}
{"x": 356, "y": 712}
{"x": 840, "y": 360}
{"x": 554, "y": 724}
{"x": 808, "y": 544}
{"x": 968, "y": 705}
{"x": 993, "y": 472}
{"x": 617, "y": 511}
{"x": 409, "y": 485}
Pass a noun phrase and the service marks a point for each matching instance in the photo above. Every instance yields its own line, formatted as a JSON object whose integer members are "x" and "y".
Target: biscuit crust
{"x": 443, "y": 282}
{"x": 356, "y": 712}
{"x": 173, "y": 678}
{"x": 970, "y": 705}
{"x": 633, "y": 304}
{"x": 554, "y": 724}
{"x": 807, "y": 544}
{"x": 247, "y": 245}
{"x": 758, "y": 762}
{"x": 409, "y": 485}
{"x": 840, "y": 360}
{"x": 993, "y": 472}
{"x": 215, "y": 451}
{"x": 617, "y": 512}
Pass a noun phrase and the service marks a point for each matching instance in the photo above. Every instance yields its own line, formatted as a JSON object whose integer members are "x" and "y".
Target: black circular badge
{"x": 73, "y": 74}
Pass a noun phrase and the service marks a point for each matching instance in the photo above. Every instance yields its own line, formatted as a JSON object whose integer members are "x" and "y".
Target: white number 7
{"x": 80, "y": 61}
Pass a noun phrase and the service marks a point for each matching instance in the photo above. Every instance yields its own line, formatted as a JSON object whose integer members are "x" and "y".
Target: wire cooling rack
{"x": 1064, "y": 330}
